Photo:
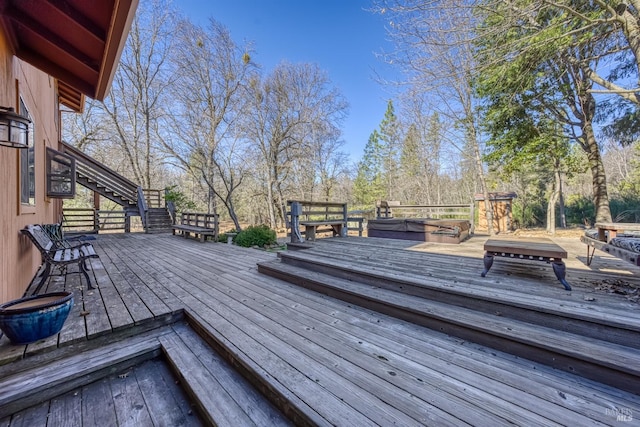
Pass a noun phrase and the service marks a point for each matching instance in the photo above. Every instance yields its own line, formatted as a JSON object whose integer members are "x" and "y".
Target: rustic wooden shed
{"x": 502, "y": 211}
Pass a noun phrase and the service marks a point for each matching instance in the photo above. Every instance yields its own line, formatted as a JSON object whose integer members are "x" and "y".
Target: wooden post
{"x": 96, "y": 221}
{"x": 345, "y": 227}
{"x": 472, "y": 220}
{"x": 296, "y": 210}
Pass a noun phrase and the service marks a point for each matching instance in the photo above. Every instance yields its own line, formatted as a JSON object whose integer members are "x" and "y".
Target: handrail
{"x": 154, "y": 198}
{"x": 171, "y": 206}
{"x": 322, "y": 204}
{"x": 93, "y": 168}
{"x": 142, "y": 207}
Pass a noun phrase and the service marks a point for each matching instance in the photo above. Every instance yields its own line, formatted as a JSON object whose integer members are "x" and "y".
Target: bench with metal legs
{"x": 55, "y": 256}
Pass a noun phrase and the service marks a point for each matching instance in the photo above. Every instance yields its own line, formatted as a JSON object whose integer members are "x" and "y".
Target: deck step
{"x": 222, "y": 395}
{"x": 586, "y": 356}
{"x": 24, "y": 389}
{"x": 580, "y": 317}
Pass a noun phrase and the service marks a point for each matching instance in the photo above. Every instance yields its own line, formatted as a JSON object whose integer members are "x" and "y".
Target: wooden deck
{"x": 308, "y": 357}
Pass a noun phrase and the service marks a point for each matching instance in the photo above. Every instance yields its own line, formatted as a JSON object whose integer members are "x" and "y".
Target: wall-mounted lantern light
{"x": 14, "y": 129}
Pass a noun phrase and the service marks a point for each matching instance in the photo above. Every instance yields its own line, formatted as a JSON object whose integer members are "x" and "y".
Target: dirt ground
{"x": 573, "y": 232}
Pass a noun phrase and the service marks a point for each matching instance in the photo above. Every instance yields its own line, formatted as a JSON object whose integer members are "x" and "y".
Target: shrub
{"x": 259, "y": 235}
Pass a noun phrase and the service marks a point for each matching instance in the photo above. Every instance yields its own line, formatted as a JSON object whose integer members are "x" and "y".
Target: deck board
{"x": 131, "y": 409}
{"x": 458, "y": 355}
{"x": 66, "y": 410}
{"x": 333, "y": 363}
{"x": 244, "y": 396}
{"x": 168, "y": 405}
{"x": 467, "y": 380}
{"x": 126, "y": 287}
{"x": 97, "y": 404}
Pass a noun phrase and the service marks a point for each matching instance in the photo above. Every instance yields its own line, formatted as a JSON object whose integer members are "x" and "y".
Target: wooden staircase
{"x": 446, "y": 293}
{"x": 99, "y": 178}
{"x": 158, "y": 220}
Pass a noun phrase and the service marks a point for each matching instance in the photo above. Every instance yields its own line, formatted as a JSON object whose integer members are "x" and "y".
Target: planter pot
{"x": 30, "y": 319}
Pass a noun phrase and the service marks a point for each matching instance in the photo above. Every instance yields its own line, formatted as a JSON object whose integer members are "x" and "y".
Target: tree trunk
{"x": 599, "y": 178}
{"x": 233, "y": 215}
{"x": 563, "y": 216}
{"x": 551, "y": 210}
{"x": 488, "y": 205}
{"x": 272, "y": 213}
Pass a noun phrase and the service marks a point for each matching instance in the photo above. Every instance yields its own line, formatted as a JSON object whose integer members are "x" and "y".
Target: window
{"x": 27, "y": 165}
{"x": 61, "y": 175}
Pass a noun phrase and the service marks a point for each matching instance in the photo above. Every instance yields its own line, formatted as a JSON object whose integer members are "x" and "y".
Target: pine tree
{"x": 368, "y": 182}
{"x": 390, "y": 140}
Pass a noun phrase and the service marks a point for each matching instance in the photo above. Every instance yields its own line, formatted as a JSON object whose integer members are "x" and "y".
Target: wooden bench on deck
{"x": 57, "y": 256}
{"x": 317, "y": 217}
{"x": 310, "y": 228}
{"x": 535, "y": 249}
{"x": 199, "y": 224}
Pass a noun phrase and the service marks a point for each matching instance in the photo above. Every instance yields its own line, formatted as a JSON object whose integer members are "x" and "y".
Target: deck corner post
{"x": 296, "y": 211}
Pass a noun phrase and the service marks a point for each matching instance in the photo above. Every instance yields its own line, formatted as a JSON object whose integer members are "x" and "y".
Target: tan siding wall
{"x": 18, "y": 258}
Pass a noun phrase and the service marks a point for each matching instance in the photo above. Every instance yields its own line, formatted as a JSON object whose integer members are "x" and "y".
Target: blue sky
{"x": 338, "y": 35}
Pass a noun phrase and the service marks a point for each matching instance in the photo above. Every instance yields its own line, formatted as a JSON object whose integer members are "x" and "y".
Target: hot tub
{"x": 420, "y": 229}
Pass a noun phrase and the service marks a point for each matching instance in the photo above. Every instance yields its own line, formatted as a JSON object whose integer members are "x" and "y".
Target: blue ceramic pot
{"x": 30, "y": 319}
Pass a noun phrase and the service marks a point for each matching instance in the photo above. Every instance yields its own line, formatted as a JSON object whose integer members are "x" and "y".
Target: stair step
{"x": 222, "y": 395}
{"x": 58, "y": 377}
{"x": 595, "y": 322}
{"x": 602, "y": 361}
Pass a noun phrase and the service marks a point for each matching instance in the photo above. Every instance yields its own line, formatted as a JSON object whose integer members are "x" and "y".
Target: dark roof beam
{"x": 60, "y": 73}
{"x": 55, "y": 42}
{"x": 90, "y": 28}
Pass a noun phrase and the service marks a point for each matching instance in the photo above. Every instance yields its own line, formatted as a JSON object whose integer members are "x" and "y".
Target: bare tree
{"x": 292, "y": 106}
{"x": 139, "y": 90}
{"x": 210, "y": 100}
{"x": 434, "y": 49}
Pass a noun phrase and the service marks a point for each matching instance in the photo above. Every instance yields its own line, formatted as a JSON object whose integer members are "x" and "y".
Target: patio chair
{"x": 55, "y": 256}
{"x": 57, "y": 235}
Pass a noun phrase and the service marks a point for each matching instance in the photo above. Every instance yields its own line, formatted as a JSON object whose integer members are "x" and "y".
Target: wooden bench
{"x": 56, "y": 256}
{"x": 534, "y": 249}
{"x": 201, "y": 225}
{"x": 316, "y": 217}
{"x": 311, "y": 227}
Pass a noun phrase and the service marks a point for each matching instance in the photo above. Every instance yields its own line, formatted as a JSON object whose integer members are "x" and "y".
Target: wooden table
{"x": 535, "y": 249}
{"x": 613, "y": 228}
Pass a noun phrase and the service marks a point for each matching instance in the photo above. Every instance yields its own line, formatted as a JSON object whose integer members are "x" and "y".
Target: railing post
{"x": 472, "y": 220}
{"x": 96, "y": 221}
{"x": 142, "y": 208}
{"x": 296, "y": 211}
{"x": 345, "y": 214}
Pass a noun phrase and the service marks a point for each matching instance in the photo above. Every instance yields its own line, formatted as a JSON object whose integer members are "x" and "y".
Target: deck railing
{"x": 80, "y": 220}
{"x": 114, "y": 220}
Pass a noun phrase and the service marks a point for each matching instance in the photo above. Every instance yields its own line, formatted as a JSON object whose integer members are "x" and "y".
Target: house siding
{"x": 19, "y": 260}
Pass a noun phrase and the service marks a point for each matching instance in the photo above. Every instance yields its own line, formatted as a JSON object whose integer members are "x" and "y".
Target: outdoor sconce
{"x": 14, "y": 129}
